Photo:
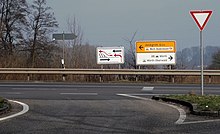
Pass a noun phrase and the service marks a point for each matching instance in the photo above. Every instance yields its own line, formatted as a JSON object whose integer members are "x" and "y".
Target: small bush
{"x": 1, "y": 102}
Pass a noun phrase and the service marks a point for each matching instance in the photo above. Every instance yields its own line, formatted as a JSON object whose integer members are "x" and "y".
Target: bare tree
{"x": 41, "y": 23}
{"x": 131, "y": 51}
{"x": 75, "y": 45}
{"x": 13, "y": 19}
{"x": 215, "y": 61}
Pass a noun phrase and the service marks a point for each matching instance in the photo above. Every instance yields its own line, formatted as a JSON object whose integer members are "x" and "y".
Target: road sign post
{"x": 201, "y": 18}
{"x": 63, "y": 36}
{"x": 202, "y": 63}
{"x": 109, "y": 55}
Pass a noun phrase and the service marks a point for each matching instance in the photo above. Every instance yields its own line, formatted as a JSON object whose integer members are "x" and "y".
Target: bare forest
{"x": 26, "y": 38}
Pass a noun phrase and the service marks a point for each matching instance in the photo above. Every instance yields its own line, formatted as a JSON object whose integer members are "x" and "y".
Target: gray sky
{"x": 110, "y": 22}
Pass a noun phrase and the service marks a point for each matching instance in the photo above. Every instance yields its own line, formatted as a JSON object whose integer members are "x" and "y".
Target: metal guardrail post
{"x": 63, "y": 66}
{"x": 136, "y": 79}
{"x": 28, "y": 77}
{"x": 100, "y": 77}
{"x": 173, "y": 79}
{"x": 210, "y": 79}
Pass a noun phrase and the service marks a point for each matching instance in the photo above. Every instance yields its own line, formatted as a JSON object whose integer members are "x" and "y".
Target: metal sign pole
{"x": 63, "y": 51}
{"x": 63, "y": 36}
{"x": 202, "y": 60}
{"x": 201, "y": 18}
{"x": 63, "y": 61}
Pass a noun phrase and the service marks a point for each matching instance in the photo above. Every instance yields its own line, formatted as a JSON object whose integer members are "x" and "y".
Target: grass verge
{"x": 204, "y": 103}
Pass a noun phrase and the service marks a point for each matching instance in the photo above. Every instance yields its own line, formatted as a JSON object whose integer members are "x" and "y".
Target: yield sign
{"x": 201, "y": 17}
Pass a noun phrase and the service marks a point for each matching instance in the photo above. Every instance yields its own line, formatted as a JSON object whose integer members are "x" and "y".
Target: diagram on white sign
{"x": 110, "y": 55}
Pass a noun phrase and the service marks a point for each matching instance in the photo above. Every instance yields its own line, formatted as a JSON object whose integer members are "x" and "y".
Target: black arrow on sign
{"x": 141, "y": 47}
{"x": 170, "y": 58}
{"x": 105, "y": 59}
{"x": 116, "y": 51}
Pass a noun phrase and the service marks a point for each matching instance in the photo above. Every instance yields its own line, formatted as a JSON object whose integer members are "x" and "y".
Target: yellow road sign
{"x": 155, "y": 47}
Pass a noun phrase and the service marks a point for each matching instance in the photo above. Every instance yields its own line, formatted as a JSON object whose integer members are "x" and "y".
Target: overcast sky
{"x": 110, "y": 22}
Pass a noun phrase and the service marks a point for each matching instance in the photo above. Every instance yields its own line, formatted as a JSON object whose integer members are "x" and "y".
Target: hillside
{"x": 189, "y": 58}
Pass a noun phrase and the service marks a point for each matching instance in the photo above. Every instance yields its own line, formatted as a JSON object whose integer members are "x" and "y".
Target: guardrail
{"x": 107, "y": 71}
{"x": 67, "y": 71}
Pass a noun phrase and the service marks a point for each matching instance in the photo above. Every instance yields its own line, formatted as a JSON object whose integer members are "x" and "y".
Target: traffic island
{"x": 5, "y": 106}
{"x": 208, "y": 105}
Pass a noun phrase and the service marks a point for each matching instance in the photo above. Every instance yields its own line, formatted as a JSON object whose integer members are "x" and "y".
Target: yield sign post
{"x": 201, "y": 18}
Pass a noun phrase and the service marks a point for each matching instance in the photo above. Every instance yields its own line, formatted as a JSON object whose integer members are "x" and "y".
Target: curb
{"x": 25, "y": 110}
{"x": 192, "y": 107}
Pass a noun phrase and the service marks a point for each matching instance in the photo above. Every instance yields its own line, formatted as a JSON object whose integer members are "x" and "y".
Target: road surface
{"x": 101, "y": 109}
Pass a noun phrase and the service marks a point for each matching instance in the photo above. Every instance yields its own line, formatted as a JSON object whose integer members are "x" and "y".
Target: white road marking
{"x": 132, "y": 96}
{"x": 147, "y": 89}
{"x": 182, "y": 116}
{"x": 25, "y": 109}
{"x": 11, "y": 93}
{"x": 148, "y": 94}
{"x": 67, "y": 86}
{"x": 78, "y": 93}
{"x": 197, "y": 122}
{"x": 43, "y": 89}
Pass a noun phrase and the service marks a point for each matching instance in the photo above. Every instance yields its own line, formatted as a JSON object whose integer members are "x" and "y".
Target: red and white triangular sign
{"x": 201, "y": 17}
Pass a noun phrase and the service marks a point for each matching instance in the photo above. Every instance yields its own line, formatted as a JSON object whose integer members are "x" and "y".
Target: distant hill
{"x": 189, "y": 58}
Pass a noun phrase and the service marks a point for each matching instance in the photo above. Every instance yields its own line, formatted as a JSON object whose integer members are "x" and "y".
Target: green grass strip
{"x": 204, "y": 103}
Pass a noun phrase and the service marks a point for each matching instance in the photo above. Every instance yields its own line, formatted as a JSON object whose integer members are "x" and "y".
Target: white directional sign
{"x": 156, "y": 58}
{"x": 155, "y": 52}
{"x": 110, "y": 55}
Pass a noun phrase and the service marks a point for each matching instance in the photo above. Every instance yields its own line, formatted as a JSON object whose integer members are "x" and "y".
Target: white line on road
{"x": 11, "y": 93}
{"x": 147, "y": 89}
{"x": 197, "y": 122}
{"x": 71, "y": 86}
{"x": 25, "y": 109}
{"x": 43, "y": 89}
{"x": 78, "y": 93}
{"x": 132, "y": 96}
{"x": 182, "y": 116}
{"x": 147, "y": 94}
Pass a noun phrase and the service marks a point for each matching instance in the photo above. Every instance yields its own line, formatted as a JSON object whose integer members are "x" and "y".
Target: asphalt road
{"x": 101, "y": 109}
